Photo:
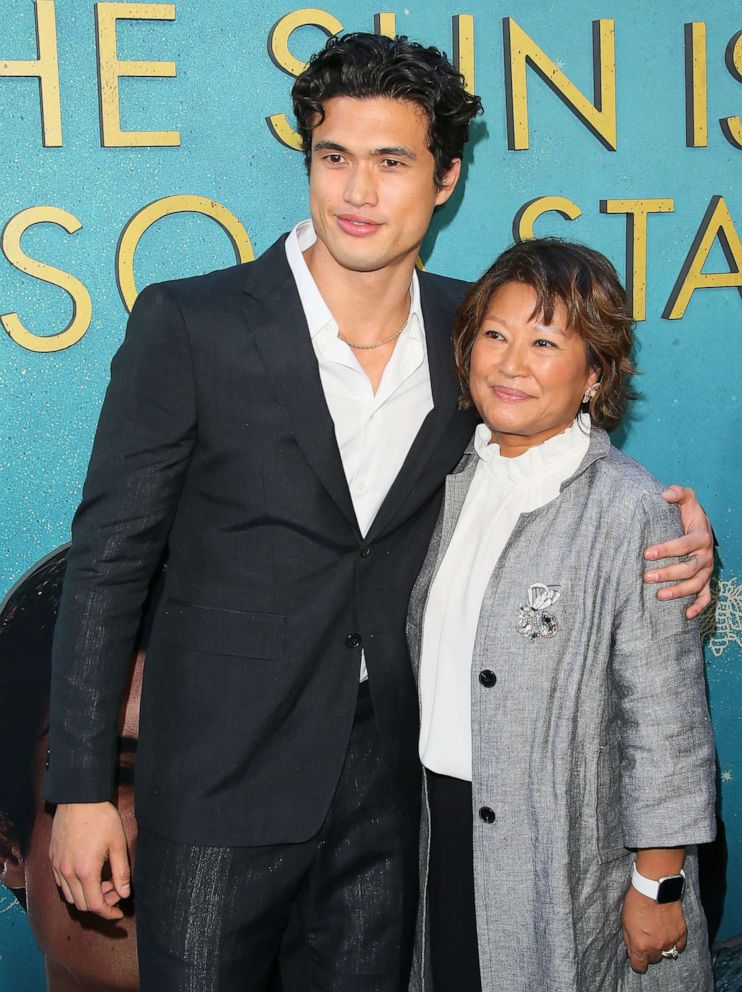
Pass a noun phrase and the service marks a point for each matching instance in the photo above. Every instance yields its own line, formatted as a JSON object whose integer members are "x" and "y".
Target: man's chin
{"x": 367, "y": 261}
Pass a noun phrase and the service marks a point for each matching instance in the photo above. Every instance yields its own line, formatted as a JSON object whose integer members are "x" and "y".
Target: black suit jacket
{"x": 215, "y": 440}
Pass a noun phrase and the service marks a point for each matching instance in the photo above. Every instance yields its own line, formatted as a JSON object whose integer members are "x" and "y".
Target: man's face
{"x": 371, "y": 188}
{"x": 82, "y": 951}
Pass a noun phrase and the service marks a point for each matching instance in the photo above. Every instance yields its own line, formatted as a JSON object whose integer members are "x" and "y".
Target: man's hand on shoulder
{"x": 84, "y": 837}
{"x": 692, "y": 576}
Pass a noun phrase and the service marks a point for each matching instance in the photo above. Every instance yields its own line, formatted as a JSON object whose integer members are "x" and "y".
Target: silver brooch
{"x": 535, "y": 619}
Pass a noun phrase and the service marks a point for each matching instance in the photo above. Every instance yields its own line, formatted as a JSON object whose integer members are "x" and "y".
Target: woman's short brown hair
{"x": 597, "y": 309}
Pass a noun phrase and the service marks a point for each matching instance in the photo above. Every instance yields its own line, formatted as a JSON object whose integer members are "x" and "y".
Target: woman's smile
{"x": 510, "y": 395}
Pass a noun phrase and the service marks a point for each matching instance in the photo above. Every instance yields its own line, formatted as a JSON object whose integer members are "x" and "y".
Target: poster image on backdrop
{"x": 147, "y": 141}
{"x": 80, "y": 950}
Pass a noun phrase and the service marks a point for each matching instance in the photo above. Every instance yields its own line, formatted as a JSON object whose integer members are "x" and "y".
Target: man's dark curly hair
{"x": 364, "y": 66}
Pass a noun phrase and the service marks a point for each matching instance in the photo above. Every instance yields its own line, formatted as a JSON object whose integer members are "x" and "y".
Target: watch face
{"x": 670, "y": 889}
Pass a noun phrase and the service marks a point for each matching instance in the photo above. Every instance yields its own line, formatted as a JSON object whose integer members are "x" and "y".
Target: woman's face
{"x": 527, "y": 378}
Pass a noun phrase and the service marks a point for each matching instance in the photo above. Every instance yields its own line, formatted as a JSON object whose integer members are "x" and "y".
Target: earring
{"x": 589, "y": 393}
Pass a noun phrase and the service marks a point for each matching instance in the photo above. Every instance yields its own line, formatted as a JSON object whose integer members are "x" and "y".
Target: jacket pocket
{"x": 217, "y": 631}
{"x": 608, "y": 813}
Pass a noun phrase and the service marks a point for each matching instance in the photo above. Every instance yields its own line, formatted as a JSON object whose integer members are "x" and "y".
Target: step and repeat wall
{"x": 145, "y": 141}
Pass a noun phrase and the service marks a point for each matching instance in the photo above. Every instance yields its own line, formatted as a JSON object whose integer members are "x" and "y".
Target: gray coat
{"x": 594, "y": 739}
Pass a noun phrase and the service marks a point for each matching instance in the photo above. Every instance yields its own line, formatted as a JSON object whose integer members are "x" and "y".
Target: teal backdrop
{"x": 687, "y": 425}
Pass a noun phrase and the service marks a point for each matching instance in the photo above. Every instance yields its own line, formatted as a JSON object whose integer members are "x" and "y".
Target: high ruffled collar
{"x": 561, "y": 454}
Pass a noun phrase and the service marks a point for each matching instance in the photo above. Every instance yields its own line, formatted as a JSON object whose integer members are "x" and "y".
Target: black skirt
{"x": 451, "y": 915}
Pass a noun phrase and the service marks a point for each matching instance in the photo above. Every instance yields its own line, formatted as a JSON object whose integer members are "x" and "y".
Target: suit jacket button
{"x": 46, "y": 763}
{"x": 353, "y": 641}
{"x": 487, "y": 814}
{"x": 365, "y": 551}
{"x": 487, "y": 678}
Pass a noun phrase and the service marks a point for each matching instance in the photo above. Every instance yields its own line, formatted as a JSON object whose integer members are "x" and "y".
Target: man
{"x": 285, "y": 427}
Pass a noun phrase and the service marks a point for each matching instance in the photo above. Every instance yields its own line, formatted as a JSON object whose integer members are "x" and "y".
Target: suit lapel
{"x": 445, "y": 388}
{"x": 275, "y": 315}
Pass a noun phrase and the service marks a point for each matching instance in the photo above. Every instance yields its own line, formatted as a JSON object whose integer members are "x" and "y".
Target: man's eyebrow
{"x": 395, "y": 151}
{"x": 388, "y": 151}
{"x": 329, "y": 146}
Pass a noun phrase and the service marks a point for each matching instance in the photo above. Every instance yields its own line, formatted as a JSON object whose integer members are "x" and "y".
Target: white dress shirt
{"x": 501, "y": 489}
{"x": 374, "y": 431}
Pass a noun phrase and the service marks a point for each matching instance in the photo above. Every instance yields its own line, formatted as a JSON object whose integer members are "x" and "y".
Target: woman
{"x": 564, "y": 726}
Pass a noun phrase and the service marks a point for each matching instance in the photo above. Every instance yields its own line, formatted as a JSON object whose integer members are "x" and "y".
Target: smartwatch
{"x": 669, "y": 888}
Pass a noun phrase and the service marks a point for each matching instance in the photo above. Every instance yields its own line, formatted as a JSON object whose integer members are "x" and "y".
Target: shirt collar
{"x": 576, "y": 437}
{"x": 316, "y": 311}
{"x": 559, "y": 455}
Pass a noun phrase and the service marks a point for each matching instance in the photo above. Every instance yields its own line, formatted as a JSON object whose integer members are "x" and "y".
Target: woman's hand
{"x": 693, "y": 575}
{"x": 650, "y": 928}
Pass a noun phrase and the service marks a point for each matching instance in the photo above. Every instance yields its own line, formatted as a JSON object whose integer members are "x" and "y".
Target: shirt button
{"x": 487, "y": 814}
{"x": 353, "y": 641}
{"x": 361, "y": 487}
{"x": 487, "y": 678}
{"x": 365, "y": 552}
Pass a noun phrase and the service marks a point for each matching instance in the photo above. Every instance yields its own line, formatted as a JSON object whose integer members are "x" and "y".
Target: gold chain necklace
{"x": 378, "y": 344}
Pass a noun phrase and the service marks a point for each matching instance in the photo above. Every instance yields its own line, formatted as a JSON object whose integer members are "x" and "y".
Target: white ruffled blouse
{"x": 501, "y": 489}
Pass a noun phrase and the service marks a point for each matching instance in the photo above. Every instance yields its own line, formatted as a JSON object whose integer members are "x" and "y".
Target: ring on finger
{"x": 672, "y": 953}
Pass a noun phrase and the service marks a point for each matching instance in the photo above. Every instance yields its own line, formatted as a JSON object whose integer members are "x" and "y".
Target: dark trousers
{"x": 337, "y": 912}
{"x": 454, "y": 952}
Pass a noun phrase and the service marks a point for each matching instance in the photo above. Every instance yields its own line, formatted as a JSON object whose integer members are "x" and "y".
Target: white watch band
{"x": 648, "y": 886}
